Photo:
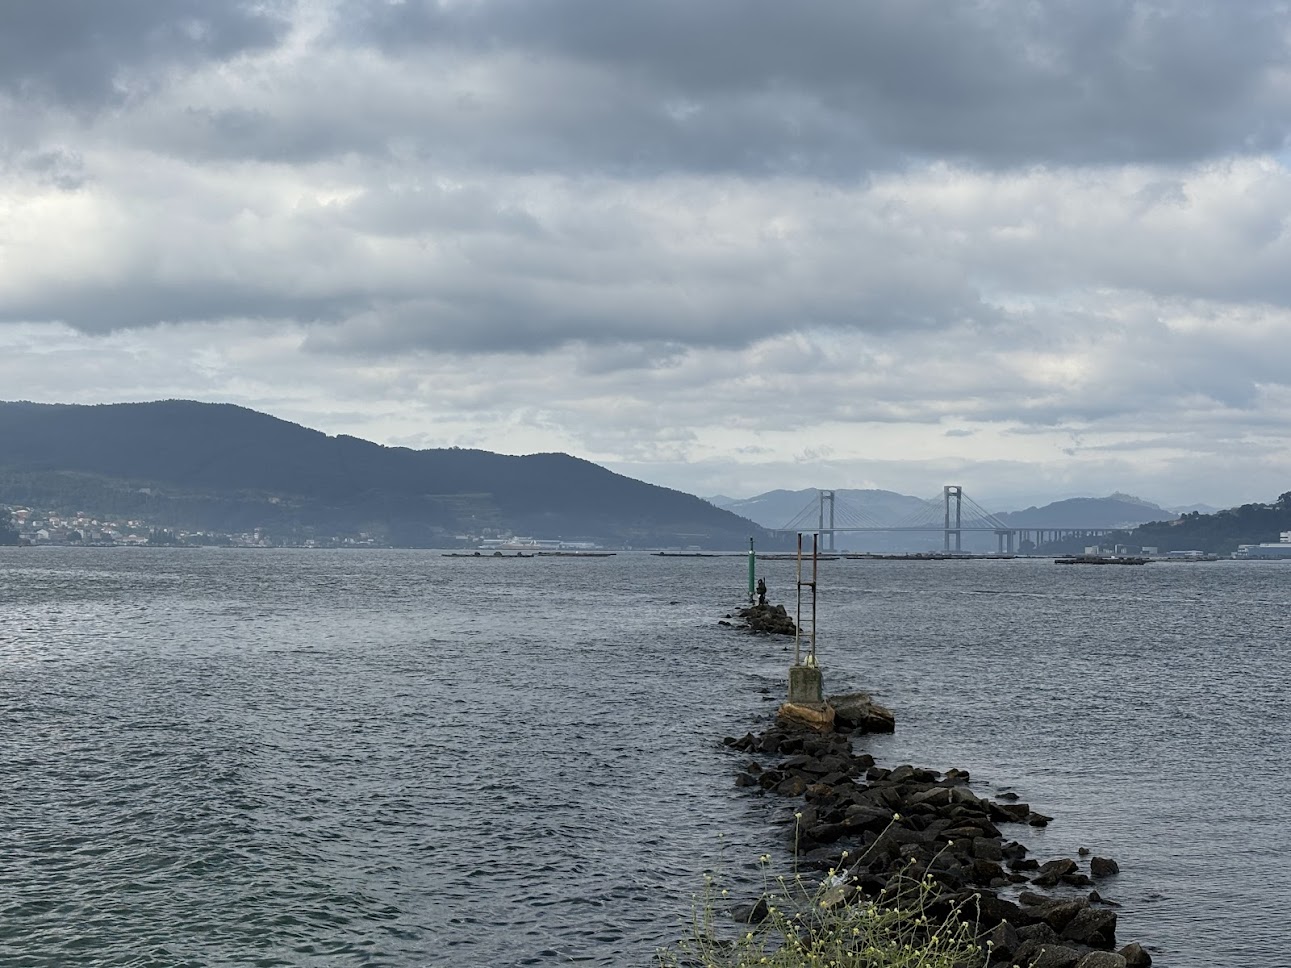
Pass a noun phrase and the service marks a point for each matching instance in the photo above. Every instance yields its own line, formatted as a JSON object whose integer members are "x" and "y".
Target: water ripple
{"x": 275, "y": 758}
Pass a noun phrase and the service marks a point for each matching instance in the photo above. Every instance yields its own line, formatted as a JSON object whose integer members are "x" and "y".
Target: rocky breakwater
{"x": 764, "y": 619}
{"x": 880, "y": 829}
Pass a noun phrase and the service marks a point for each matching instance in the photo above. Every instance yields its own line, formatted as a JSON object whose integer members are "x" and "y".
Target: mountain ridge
{"x": 774, "y": 509}
{"x": 222, "y": 466}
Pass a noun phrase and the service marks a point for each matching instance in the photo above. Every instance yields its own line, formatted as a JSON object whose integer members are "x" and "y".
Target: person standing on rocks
{"x": 762, "y": 591}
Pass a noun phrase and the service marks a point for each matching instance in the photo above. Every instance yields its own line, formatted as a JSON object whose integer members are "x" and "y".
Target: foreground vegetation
{"x": 832, "y": 926}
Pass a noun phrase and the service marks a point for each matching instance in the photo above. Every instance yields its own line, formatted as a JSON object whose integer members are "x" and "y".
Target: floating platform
{"x": 930, "y": 556}
{"x": 480, "y": 554}
{"x": 1101, "y": 560}
{"x": 805, "y": 557}
{"x": 694, "y": 554}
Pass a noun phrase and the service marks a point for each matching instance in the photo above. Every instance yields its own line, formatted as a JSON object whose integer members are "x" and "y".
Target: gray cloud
{"x": 992, "y": 83}
{"x": 1035, "y": 245}
{"x": 53, "y": 167}
{"x": 87, "y": 53}
{"x": 827, "y": 88}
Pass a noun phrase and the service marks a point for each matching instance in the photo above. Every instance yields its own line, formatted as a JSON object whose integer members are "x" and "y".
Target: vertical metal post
{"x": 797, "y": 634}
{"x": 815, "y": 561}
{"x": 752, "y": 567}
{"x": 812, "y": 583}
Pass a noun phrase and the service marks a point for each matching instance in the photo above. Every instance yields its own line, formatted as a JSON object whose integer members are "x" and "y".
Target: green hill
{"x": 1218, "y": 533}
{"x": 1221, "y": 532}
{"x": 8, "y": 533}
{"x": 179, "y": 463}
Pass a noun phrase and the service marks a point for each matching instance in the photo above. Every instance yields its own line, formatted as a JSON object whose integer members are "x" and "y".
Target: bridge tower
{"x": 827, "y": 497}
{"x": 953, "y": 493}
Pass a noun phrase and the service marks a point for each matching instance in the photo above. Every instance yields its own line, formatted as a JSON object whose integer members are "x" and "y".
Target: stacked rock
{"x": 764, "y": 619}
{"x": 875, "y": 825}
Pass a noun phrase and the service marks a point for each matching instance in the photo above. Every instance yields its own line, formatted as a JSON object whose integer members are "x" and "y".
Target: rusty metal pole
{"x": 797, "y": 632}
{"x": 815, "y": 565}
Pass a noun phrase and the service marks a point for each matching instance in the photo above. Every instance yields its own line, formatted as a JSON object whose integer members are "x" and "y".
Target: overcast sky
{"x": 1039, "y": 249}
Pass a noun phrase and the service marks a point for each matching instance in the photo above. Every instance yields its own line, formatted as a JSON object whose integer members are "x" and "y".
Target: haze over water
{"x": 395, "y": 758}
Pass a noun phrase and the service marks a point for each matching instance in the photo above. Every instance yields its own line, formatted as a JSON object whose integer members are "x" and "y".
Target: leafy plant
{"x": 832, "y": 926}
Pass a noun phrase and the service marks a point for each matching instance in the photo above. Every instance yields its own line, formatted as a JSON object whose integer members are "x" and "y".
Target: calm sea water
{"x": 396, "y": 758}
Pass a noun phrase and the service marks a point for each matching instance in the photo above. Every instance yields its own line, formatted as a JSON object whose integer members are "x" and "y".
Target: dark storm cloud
{"x": 86, "y": 53}
{"x": 990, "y": 82}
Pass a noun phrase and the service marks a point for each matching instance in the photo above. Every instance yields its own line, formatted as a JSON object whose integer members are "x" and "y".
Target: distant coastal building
{"x": 1273, "y": 549}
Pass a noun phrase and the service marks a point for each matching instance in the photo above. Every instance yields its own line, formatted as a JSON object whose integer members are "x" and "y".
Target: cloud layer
{"x": 1036, "y": 248}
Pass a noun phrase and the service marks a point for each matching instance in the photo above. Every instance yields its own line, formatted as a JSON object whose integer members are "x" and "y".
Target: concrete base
{"x": 819, "y": 717}
{"x": 806, "y": 685}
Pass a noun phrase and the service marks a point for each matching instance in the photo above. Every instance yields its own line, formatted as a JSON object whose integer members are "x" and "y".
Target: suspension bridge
{"x": 952, "y": 513}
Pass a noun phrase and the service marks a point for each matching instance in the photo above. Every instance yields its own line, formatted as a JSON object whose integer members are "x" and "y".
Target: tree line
{"x": 1219, "y": 533}
{"x": 8, "y": 533}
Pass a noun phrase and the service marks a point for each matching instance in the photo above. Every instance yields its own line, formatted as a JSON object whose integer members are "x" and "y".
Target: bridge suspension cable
{"x": 931, "y": 515}
{"x": 952, "y": 512}
{"x": 804, "y": 519}
{"x": 845, "y": 516}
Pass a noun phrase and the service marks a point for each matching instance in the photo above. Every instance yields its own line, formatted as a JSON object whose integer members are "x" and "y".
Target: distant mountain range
{"x": 1114, "y": 511}
{"x": 775, "y": 509}
{"x": 1129, "y": 521}
{"x": 181, "y": 464}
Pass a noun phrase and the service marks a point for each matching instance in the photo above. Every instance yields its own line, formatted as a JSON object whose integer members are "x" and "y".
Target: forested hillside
{"x": 181, "y": 463}
{"x": 1222, "y": 531}
{"x": 8, "y": 533}
{"x": 1218, "y": 533}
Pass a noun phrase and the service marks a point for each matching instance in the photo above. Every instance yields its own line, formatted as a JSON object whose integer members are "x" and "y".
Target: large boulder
{"x": 1135, "y": 955}
{"x": 1103, "y": 866}
{"x": 991, "y": 909}
{"x": 1055, "y": 912}
{"x": 858, "y": 712}
{"x": 1093, "y": 927}
{"x": 1053, "y": 870}
{"x": 1004, "y": 940}
{"x": 1039, "y": 933}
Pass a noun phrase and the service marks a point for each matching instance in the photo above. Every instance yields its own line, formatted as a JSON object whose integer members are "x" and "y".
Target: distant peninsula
{"x": 227, "y": 470}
